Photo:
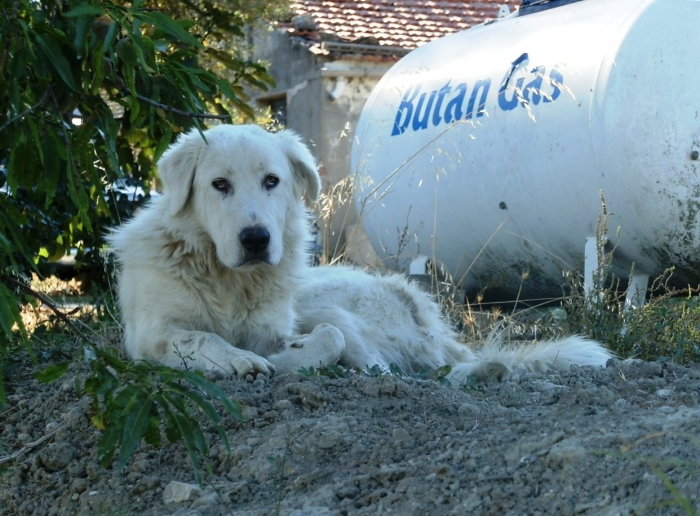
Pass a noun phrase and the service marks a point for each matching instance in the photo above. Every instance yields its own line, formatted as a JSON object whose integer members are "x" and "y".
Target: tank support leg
{"x": 638, "y": 283}
{"x": 637, "y": 291}
{"x": 418, "y": 266}
{"x": 590, "y": 264}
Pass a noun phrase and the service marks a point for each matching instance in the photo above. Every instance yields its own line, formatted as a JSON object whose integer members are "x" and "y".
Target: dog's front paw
{"x": 322, "y": 347}
{"x": 251, "y": 363}
{"x": 241, "y": 363}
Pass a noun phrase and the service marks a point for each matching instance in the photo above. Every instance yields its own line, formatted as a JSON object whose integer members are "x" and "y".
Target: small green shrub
{"x": 135, "y": 401}
{"x": 667, "y": 327}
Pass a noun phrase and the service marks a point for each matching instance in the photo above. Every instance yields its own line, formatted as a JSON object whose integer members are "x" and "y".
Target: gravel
{"x": 614, "y": 441}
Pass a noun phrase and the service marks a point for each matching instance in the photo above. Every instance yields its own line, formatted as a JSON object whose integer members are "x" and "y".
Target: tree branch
{"x": 175, "y": 110}
{"x": 25, "y": 112}
{"x": 29, "y": 446}
{"x": 37, "y": 295}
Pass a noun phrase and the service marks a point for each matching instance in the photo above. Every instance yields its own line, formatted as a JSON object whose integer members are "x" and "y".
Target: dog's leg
{"x": 496, "y": 360}
{"x": 203, "y": 351}
{"x": 322, "y": 347}
{"x": 465, "y": 373}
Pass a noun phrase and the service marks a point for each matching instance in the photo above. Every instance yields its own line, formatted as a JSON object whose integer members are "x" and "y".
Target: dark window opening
{"x": 278, "y": 109}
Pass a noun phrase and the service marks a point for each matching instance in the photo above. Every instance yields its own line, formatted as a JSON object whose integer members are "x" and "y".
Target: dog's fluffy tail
{"x": 497, "y": 360}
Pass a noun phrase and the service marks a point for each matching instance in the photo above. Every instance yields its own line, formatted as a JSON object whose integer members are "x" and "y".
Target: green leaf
{"x": 6, "y": 244}
{"x": 110, "y": 37}
{"x": 109, "y": 132}
{"x": 17, "y": 67}
{"x": 22, "y": 166}
{"x": 133, "y": 108}
{"x": 57, "y": 58}
{"x": 117, "y": 410}
{"x": 169, "y": 26}
{"x": 102, "y": 382}
{"x": 3, "y": 400}
{"x": 92, "y": 383}
{"x": 222, "y": 57}
{"x": 203, "y": 404}
{"x": 52, "y": 167}
{"x": 231, "y": 406}
{"x": 122, "y": 399}
{"x": 52, "y": 373}
{"x": 84, "y": 9}
{"x": 126, "y": 51}
{"x": 135, "y": 424}
{"x": 79, "y": 41}
{"x": 192, "y": 436}
{"x": 163, "y": 143}
{"x": 117, "y": 363}
{"x": 226, "y": 89}
{"x": 146, "y": 57}
{"x": 196, "y": 78}
{"x": 9, "y": 311}
{"x": 108, "y": 443}
{"x": 172, "y": 432}
{"x": 13, "y": 220}
{"x": 77, "y": 194}
{"x": 33, "y": 175}
{"x": 151, "y": 433}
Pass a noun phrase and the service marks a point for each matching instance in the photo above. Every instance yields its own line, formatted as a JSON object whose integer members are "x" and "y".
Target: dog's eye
{"x": 271, "y": 181}
{"x": 221, "y": 185}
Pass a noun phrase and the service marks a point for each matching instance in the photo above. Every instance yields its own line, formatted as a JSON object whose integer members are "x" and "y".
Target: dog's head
{"x": 240, "y": 184}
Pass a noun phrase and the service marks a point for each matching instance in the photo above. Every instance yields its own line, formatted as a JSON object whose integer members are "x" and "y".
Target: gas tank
{"x": 489, "y": 150}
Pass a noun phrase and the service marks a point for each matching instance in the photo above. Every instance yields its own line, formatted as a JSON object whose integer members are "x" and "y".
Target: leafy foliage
{"x": 93, "y": 91}
{"x": 131, "y": 399}
{"x": 338, "y": 371}
{"x": 667, "y": 327}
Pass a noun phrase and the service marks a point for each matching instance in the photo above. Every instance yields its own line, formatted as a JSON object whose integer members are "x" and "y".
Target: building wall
{"x": 298, "y": 78}
{"x": 339, "y": 121}
{"x": 326, "y": 124}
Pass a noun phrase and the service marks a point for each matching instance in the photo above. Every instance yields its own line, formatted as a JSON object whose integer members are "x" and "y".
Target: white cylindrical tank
{"x": 487, "y": 150}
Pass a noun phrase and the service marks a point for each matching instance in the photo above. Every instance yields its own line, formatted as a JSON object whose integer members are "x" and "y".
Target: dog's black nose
{"x": 254, "y": 239}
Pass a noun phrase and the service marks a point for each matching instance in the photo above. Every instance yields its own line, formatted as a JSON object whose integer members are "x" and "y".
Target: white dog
{"x": 215, "y": 275}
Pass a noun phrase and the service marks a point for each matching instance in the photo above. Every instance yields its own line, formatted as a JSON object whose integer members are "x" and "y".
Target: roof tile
{"x": 399, "y": 23}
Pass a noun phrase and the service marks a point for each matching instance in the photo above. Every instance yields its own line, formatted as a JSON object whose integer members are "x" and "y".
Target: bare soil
{"x": 616, "y": 441}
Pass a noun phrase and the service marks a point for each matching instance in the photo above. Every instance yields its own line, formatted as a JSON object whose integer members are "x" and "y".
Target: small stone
{"x": 57, "y": 456}
{"x": 565, "y": 452}
{"x": 348, "y": 491}
{"x": 79, "y": 485}
{"x": 401, "y": 434}
{"x": 249, "y": 412}
{"x": 176, "y": 492}
{"x": 620, "y": 403}
{"x": 283, "y": 405}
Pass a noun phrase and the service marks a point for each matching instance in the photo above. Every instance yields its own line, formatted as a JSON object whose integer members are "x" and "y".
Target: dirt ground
{"x": 616, "y": 441}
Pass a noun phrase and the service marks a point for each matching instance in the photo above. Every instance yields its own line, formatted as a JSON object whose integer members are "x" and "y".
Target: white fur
{"x": 191, "y": 292}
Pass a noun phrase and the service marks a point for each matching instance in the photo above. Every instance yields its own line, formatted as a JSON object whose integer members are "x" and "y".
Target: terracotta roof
{"x": 399, "y": 23}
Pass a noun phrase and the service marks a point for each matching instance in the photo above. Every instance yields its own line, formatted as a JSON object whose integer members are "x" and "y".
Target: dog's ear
{"x": 177, "y": 167}
{"x": 303, "y": 162}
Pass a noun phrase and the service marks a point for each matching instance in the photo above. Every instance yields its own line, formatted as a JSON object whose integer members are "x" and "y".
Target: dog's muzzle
{"x": 255, "y": 240}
